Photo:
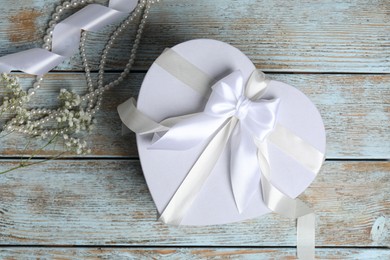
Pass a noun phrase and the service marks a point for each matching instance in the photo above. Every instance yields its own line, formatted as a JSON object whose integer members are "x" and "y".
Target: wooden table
{"x": 98, "y": 206}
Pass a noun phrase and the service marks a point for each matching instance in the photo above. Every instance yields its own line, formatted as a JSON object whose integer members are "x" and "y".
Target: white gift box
{"x": 163, "y": 95}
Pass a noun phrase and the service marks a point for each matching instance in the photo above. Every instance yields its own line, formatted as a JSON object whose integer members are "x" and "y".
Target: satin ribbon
{"x": 229, "y": 103}
{"x": 66, "y": 37}
{"x": 278, "y": 135}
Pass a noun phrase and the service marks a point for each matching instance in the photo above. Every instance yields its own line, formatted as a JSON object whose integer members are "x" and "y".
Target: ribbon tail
{"x": 306, "y": 236}
{"x": 244, "y": 167}
{"x": 279, "y": 203}
{"x": 185, "y": 195}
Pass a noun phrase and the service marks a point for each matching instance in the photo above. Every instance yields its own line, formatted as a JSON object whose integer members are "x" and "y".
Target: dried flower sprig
{"x": 68, "y": 122}
{"x": 74, "y": 118}
{"x": 14, "y": 97}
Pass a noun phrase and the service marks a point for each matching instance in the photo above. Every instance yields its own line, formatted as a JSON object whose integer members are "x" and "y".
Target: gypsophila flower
{"x": 69, "y": 122}
{"x": 14, "y": 97}
{"x": 69, "y": 99}
{"x": 77, "y": 145}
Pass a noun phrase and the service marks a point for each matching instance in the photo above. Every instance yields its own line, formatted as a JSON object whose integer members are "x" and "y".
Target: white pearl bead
{"x": 55, "y": 17}
{"x": 74, "y": 3}
{"x": 93, "y": 96}
{"x": 59, "y": 9}
{"x": 66, "y": 5}
{"x": 49, "y": 32}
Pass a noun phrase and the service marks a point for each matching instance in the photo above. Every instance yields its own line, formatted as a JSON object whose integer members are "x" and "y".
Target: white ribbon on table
{"x": 234, "y": 111}
{"x": 66, "y": 37}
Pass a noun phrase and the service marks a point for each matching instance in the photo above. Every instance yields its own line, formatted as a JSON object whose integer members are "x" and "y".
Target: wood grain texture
{"x": 106, "y": 202}
{"x": 306, "y": 36}
{"x": 355, "y": 110}
{"x": 92, "y": 201}
{"x": 185, "y": 253}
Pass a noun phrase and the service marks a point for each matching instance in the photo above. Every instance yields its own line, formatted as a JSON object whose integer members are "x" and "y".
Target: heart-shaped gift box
{"x": 167, "y": 92}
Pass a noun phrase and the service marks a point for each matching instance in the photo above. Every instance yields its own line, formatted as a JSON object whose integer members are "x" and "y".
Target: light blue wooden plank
{"x": 186, "y": 253}
{"x": 355, "y": 109}
{"x": 280, "y": 35}
{"x": 106, "y": 202}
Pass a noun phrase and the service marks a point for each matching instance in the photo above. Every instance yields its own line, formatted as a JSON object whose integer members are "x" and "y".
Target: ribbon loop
{"x": 257, "y": 85}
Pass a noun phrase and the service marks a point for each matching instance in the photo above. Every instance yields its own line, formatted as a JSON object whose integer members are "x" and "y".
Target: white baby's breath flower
{"x": 71, "y": 117}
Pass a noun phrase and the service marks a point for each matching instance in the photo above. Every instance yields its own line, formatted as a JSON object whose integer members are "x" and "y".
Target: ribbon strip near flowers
{"x": 235, "y": 111}
{"x": 66, "y": 37}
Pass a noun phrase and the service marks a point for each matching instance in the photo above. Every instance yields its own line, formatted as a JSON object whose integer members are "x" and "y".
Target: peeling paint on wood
{"x": 380, "y": 229}
{"x": 23, "y": 26}
{"x": 107, "y": 202}
{"x": 186, "y": 253}
{"x": 350, "y": 36}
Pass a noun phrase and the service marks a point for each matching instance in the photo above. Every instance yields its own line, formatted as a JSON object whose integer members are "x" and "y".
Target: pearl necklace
{"x": 77, "y": 113}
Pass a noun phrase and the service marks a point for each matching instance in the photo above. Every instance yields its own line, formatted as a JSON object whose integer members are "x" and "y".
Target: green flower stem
{"x": 7, "y": 134}
{"x": 25, "y": 163}
{"x": 20, "y": 166}
{"x": 39, "y": 150}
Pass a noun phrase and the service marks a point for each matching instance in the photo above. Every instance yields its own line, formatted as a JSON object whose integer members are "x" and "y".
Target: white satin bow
{"x": 230, "y": 98}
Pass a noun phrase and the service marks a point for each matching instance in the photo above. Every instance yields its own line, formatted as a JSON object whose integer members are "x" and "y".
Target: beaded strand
{"x": 77, "y": 112}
